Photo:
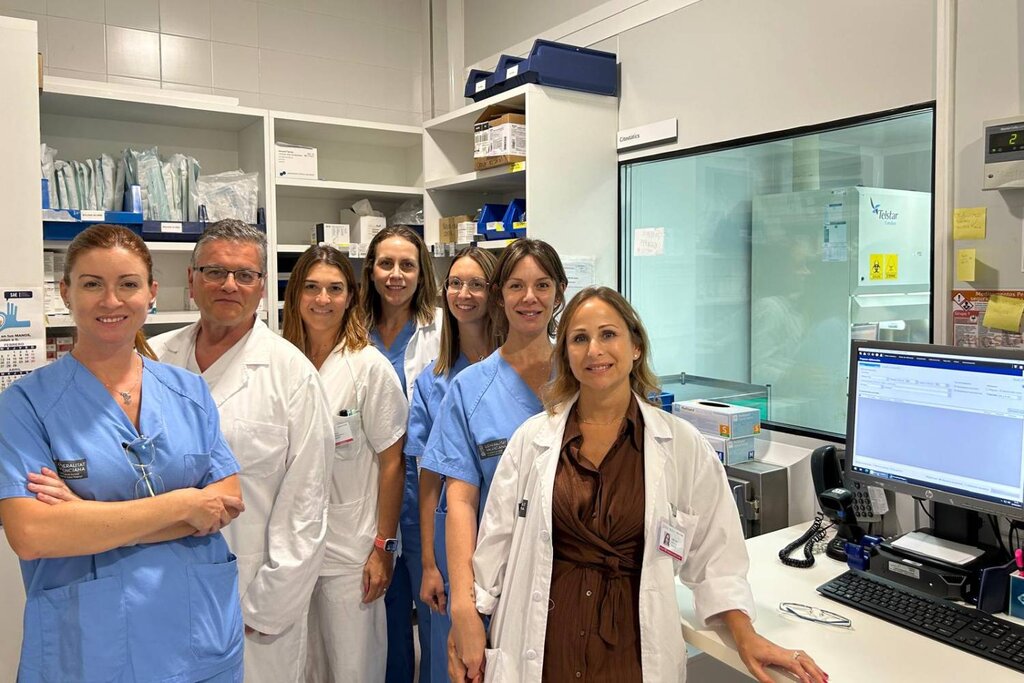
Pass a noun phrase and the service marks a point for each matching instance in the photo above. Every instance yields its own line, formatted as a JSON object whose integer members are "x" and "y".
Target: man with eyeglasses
{"x": 275, "y": 419}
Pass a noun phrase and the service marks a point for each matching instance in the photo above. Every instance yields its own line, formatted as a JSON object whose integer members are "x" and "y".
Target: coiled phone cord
{"x": 814, "y": 534}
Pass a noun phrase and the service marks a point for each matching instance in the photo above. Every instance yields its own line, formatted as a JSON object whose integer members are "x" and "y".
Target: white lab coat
{"x": 423, "y": 347}
{"x": 684, "y": 482}
{"x": 348, "y": 640}
{"x": 274, "y": 417}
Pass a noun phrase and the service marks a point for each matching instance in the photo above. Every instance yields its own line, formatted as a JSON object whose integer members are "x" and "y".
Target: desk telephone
{"x": 845, "y": 507}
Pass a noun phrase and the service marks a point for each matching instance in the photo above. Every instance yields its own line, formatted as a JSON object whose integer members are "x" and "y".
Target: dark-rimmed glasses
{"x": 218, "y": 274}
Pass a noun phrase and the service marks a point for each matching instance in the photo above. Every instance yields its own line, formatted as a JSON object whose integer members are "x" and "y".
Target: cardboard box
{"x": 335, "y": 235}
{"x": 732, "y": 451}
{"x": 449, "y": 228}
{"x": 295, "y": 161}
{"x": 719, "y": 419}
{"x": 361, "y": 228}
{"x": 499, "y": 137}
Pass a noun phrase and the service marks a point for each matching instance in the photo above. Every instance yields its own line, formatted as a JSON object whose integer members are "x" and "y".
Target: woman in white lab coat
{"x": 399, "y": 307}
{"x": 347, "y": 624}
{"x": 596, "y": 506}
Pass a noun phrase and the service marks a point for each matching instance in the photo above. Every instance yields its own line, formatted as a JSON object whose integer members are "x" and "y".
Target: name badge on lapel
{"x": 671, "y": 539}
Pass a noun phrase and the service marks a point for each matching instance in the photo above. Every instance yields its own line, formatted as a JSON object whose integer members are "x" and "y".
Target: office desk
{"x": 873, "y": 650}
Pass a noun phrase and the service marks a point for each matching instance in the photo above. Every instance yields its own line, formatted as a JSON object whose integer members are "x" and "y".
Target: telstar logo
{"x": 886, "y": 216}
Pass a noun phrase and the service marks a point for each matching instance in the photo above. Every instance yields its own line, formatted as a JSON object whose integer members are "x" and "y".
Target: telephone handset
{"x": 827, "y": 473}
{"x": 836, "y": 501}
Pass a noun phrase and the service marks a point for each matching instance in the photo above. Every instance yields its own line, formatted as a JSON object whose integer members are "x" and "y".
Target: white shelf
{"x": 159, "y": 318}
{"x": 463, "y": 119}
{"x": 292, "y": 248}
{"x": 292, "y": 127}
{"x": 333, "y": 189}
{"x": 495, "y": 244}
{"x": 155, "y": 247}
{"x": 500, "y": 179}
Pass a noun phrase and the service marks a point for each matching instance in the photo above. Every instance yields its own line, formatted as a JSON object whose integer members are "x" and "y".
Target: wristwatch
{"x": 388, "y": 545}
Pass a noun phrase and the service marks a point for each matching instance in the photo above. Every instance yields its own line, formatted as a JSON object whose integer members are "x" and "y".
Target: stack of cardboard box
{"x": 729, "y": 429}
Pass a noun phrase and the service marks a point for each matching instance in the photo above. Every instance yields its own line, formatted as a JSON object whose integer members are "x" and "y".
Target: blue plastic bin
{"x": 555, "y": 64}
{"x": 476, "y": 83}
{"x": 492, "y": 213}
{"x": 515, "y": 213}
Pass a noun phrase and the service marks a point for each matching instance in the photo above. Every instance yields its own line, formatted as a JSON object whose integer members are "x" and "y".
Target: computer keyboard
{"x": 962, "y": 627}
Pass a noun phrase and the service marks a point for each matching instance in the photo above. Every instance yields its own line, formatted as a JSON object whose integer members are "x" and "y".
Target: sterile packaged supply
{"x": 51, "y": 351}
{"x": 232, "y": 194}
{"x": 357, "y": 250}
{"x": 53, "y": 304}
{"x": 295, "y": 161}
{"x": 732, "y": 451}
{"x": 335, "y": 235}
{"x": 719, "y": 419}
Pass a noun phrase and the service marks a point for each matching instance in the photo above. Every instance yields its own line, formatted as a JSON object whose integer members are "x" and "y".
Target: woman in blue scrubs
{"x": 398, "y": 301}
{"x": 466, "y": 337}
{"x": 114, "y": 483}
{"x": 484, "y": 406}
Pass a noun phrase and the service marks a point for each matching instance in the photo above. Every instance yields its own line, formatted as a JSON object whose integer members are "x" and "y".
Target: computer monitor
{"x": 940, "y": 423}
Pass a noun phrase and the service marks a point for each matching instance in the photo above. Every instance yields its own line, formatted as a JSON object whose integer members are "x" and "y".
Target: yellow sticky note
{"x": 969, "y": 224}
{"x": 517, "y": 166}
{"x": 965, "y": 259}
{"x": 892, "y": 266}
{"x": 1003, "y": 313}
{"x": 875, "y": 265}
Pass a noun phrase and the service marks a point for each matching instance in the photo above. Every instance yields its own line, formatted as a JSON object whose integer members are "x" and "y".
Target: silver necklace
{"x": 603, "y": 424}
{"x": 126, "y": 396}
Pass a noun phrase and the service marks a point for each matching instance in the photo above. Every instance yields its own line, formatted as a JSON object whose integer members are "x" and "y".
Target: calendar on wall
{"x": 22, "y": 334}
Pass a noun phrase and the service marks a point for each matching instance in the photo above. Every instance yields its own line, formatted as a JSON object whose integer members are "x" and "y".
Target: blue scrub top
{"x": 428, "y": 392}
{"x": 484, "y": 406}
{"x": 410, "y": 516}
{"x": 150, "y": 612}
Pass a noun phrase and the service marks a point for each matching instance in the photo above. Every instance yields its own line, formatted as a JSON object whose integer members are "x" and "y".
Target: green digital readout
{"x": 1006, "y": 142}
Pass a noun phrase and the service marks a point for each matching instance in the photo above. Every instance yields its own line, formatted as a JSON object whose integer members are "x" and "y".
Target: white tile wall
{"x": 185, "y": 18}
{"x": 140, "y": 14}
{"x": 133, "y": 53}
{"x": 355, "y": 58}
{"x": 185, "y": 60}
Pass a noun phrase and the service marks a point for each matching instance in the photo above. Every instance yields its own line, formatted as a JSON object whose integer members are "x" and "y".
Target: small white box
{"x": 48, "y": 266}
{"x": 53, "y": 304}
{"x": 362, "y": 228}
{"x": 295, "y": 161}
{"x": 719, "y": 419}
{"x": 466, "y": 232}
{"x": 335, "y": 235}
{"x": 357, "y": 250}
{"x": 732, "y": 451}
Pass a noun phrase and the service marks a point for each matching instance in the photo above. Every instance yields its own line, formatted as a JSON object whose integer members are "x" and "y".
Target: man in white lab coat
{"x": 275, "y": 419}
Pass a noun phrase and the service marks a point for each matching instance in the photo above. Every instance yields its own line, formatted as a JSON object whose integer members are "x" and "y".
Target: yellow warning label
{"x": 517, "y": 166}
{"x": 892, "y": 266}
{"x": 875, "y": 264}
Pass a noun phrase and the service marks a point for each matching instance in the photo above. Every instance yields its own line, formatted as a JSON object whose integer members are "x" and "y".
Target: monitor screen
{"x": 938, "y": 422}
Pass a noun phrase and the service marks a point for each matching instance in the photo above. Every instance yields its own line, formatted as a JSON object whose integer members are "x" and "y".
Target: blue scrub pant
{"x": 440, "y": 624}
{"x": 398, "y": 601}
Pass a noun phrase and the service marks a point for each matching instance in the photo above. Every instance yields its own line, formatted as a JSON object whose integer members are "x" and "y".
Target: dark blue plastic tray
{"x": 550, "y": 63}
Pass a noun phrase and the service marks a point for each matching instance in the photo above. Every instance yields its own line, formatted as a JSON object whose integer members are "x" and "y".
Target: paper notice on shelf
{"x": 1003, "y": 313}
{"x": 969, "y": 224}
{"x": 648, "y": 241}
{"x": 965, "y": 262}
{"x": 579, "y": 270}
{"x": 22, "y": 334}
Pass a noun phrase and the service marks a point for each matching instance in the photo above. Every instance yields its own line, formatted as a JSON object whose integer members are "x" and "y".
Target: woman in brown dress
{"x": 596, "y": 507}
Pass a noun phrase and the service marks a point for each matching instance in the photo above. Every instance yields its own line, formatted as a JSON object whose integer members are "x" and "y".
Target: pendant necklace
{"x": 126, "y": 396}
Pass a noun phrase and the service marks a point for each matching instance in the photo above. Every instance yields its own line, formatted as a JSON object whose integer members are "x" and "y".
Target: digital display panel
{"x": 999, "y": 143}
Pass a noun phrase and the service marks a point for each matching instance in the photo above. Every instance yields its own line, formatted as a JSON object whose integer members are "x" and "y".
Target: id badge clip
{"x": 342, "y": 433}
{"x": 671, "y": 539}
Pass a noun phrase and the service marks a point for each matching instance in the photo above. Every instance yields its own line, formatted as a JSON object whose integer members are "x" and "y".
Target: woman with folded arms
{"x": 115, "y": 481}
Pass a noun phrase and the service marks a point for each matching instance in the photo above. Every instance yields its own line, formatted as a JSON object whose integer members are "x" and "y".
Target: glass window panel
{"x": 772, "y": 256}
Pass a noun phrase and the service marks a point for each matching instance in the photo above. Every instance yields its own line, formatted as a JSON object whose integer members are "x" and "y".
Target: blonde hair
{"x": 564, "y": 386}
{"x": 449, "y": 352}
{"x": 547, "y": 258}
{"x": 104, "y": 236}
{"x": 351, "y": 331}
{"x": 424, "y": 301}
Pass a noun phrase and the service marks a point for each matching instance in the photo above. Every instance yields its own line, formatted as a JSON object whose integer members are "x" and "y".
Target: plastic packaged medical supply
{"x": 409, "y": 213}
{"x": 47, "y": 156}
{"x": 233, "y": 194}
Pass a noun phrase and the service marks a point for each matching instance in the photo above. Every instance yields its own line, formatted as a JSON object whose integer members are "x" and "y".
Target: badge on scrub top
{"x": 671, "y": 539}
{"x": 342, "y": 433}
